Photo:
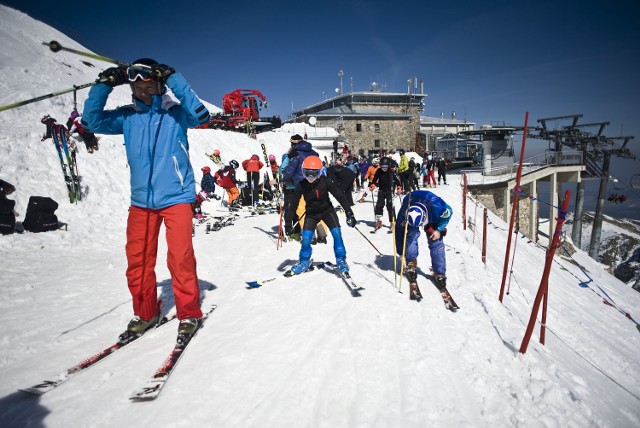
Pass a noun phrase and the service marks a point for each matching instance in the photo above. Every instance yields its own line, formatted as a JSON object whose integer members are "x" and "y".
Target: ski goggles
{"x": 311, "y": 173}
{"x": 137, "y": 72}
{"x": 384, "y": 166}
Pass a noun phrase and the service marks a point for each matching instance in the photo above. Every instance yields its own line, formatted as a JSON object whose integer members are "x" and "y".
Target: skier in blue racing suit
{"x": 423, "y": 209}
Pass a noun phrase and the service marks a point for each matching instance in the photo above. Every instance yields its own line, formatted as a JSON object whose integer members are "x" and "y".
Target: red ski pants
{"x": 431, "y": 177}
{"x": 143, "y": 228}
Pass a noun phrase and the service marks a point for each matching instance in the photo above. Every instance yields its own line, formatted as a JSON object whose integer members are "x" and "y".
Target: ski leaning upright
{"x": 66, "y": 169}
{"x": 48, "y": 385}
{"x": 153, "y": 387}
{"x": 71, "y": 161}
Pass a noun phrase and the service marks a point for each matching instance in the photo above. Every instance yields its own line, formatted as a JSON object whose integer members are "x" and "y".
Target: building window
{"x": 376, "y": 128}
{"x": 358, "y": 127}
{"x": 376, "y": 143}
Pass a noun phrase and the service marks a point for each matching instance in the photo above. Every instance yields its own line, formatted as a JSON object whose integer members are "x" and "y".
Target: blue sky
{"x": 490, "y": 62}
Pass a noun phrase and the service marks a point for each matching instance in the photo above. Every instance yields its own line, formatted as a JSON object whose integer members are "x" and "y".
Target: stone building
{"x": 369, "y": 122}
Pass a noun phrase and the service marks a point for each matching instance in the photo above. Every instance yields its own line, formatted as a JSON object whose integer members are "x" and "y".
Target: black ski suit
{"x": 343, "y": 177}
{"x": 386, "y": 182}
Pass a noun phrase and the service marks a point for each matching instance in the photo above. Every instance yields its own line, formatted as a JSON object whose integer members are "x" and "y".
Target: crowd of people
{"x": 304, "y": 181}
{"x": 163, "y": 189}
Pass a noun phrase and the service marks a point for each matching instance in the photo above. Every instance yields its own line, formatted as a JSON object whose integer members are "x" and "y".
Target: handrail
{"x": 534, "y": 163}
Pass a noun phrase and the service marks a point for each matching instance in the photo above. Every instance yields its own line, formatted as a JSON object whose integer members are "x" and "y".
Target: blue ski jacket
{"x": 439, "y": 216}
{"x": 155, "y": 139}
{"x": 293, "y": 171}
{"x": 439, "y": 212}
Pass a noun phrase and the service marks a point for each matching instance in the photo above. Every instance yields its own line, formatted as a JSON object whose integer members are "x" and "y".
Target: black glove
{"x": 351, "y": 220}
{"x": 113, "y": 76}
{"x": 162, "y": 72}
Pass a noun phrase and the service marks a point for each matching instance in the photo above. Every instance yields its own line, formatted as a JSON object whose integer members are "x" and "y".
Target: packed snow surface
{"x": 297, "y": 352}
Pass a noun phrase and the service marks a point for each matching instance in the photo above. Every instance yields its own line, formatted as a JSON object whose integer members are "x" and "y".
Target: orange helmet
{"x": 312, "y": 162}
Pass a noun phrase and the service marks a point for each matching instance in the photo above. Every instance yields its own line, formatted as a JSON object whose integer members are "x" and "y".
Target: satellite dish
{"x": 337, "y": 90}
{"x": 312, "y": 121}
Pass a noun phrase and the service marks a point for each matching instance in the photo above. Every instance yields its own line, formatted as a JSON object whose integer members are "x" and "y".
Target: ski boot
{"x": 343, "y": 267}
{"x": 137, "y": 327}
{"x": 378, "y": 222}
{"x": 295, "y": 237}
{"x": 188, "y": 326}
{"x": 298, "y": 268}
{"x": 186, "y": 329}
{"x": 441, "y": 281}
{"x": 412, "y": 276}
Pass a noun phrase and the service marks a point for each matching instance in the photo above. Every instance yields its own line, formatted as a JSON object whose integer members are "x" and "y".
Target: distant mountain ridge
{"x": 619, "y": 247}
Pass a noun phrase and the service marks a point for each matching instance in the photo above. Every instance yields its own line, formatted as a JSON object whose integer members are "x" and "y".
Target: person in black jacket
{"x": 442, "y": 165}
{"x": 315, "y": 188}
{"x": 386, "y": 180}
{"x": 343, "y": 177}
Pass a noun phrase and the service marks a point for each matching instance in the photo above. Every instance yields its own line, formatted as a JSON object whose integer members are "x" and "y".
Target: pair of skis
{"x": 153, "y": 387}
{"x": 70, "y": 167}
{"x": 215, "y": 159}
{"x": 375, "y": 229}
{"x": 354, "y": 288}
{"x": 449, "y": 303}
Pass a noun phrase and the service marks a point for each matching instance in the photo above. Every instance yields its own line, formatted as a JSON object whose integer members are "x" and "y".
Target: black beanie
{"x": 296, "y": 137}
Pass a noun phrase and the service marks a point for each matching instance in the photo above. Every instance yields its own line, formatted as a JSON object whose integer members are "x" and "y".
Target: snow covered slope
{"x": 299, "y": 351}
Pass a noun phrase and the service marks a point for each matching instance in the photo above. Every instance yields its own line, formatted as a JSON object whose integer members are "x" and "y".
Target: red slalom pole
{"x": 484, "y": 238}
{"x": 543, "y": 290}
{"x": 464, "y": 202}
{"x": 513, "y": 209}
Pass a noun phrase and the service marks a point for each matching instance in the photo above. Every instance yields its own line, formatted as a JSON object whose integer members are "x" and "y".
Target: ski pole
{"x": 404, "y": 243}
{"x": 57, "y": 47}
{"x": 367, "y": 239}
{"x": 395, "y": 252}
{"x": 44, "y": 97}
{"x": 280, "y": 232}
{"x": 373, "y": 199}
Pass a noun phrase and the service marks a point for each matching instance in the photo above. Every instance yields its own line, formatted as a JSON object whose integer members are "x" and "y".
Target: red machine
{"x": 241, "y": 112}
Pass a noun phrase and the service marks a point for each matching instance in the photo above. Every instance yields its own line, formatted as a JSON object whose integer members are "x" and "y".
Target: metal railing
{"x": 508, "y": 172}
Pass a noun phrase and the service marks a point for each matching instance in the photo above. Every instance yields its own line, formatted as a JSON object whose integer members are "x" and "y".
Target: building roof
{"x": 429, "y": 120}
{"x": 358, "y": 104}
{"x": 346, "y": 111}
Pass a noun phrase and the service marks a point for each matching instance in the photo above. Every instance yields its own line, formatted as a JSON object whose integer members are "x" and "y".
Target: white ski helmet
{"x": 417, "y": 214}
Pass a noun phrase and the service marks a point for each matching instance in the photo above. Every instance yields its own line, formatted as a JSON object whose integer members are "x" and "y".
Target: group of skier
{"x": 163, "y": 190}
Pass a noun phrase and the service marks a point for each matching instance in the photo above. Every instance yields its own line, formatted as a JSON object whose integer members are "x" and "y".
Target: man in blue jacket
{"x": 422, "y": 208}
{"x": 291, "y": 168}
{"x": 162, "y": 182}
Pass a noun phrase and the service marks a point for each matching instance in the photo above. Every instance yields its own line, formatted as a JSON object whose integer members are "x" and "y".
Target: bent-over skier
{"x": 423, "y": 208}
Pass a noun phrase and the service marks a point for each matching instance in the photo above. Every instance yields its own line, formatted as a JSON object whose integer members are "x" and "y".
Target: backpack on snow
{"x": 7, "y": 218}
{"x": 40, "y": 215}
